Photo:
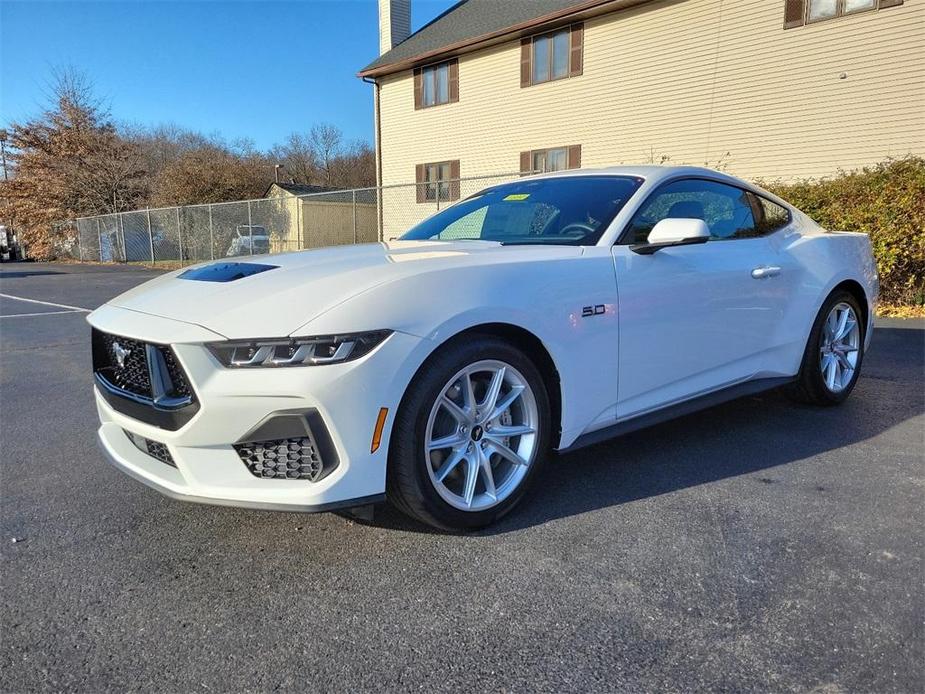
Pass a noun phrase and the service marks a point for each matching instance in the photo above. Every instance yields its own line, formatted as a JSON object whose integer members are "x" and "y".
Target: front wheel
{"x": 834, "y": 352}
{"x": 470, "y": 435}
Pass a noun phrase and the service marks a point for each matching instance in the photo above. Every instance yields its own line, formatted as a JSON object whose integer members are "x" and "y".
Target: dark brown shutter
{"x": 454, "y": 179}
{"x": 452, "y": 72}
{"x": 574, "y": 157}
{"x": 525, "y": 165}
{"x": 526, "y": 62}
{"x": 419, "y": 180}
{"x": 418, "y": 89}
{"x": 794, "y": 12}
{"x": 890, "y": 3}
{"x": 576, "y": 56}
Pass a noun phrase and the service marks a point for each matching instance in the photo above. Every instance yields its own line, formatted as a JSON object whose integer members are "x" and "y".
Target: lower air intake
{"x": 155, "y": 449}
{"x": 284, "y": 459}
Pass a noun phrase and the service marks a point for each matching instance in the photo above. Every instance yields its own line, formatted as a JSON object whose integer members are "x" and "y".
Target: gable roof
{"x": 471, "y": 24}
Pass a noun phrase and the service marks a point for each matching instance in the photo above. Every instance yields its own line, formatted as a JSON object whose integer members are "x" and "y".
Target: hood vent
{"x": 225, "y": 272}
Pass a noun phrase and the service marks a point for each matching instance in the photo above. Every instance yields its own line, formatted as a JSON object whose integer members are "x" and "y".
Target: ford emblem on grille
{"x": 120, "y": 353}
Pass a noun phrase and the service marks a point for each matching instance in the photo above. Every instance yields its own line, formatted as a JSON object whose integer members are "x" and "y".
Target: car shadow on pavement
{"x": 746, "y": 436}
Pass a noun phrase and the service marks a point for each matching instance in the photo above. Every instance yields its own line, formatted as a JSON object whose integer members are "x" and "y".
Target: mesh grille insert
{"x": 177, "y": 377}
{"x": 155, "y": 449}
{"x": 123, "y": 362}
{"x": 132, "y": 375}
{"x": 292, "y": 459}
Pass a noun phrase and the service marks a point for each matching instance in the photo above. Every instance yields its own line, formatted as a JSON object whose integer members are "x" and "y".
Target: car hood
{"x": 301, "y": 286}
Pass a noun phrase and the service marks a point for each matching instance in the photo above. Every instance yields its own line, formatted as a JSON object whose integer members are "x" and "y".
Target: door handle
{"x": 760, "y": 273}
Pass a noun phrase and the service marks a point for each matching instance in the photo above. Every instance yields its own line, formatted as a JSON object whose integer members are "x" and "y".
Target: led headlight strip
{"x": 298, "y": 351}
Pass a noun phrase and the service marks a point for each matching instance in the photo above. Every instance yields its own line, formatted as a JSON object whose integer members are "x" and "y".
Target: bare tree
{"x": 325, "y": 140}
{"x": 355, "y": 166}
{"x": 297, "y": 155}
{"x": 212, "y": 173}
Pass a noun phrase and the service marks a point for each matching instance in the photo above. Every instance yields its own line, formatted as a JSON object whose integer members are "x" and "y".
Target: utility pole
{"x": 3, "y": 137}
{"x": 6, "y": 195}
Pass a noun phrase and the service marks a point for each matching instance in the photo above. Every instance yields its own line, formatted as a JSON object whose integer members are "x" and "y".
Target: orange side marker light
{"x": 377, "y": 432}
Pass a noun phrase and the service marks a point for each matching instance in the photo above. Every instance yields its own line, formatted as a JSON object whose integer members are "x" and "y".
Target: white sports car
{"x": 439, "y": 371}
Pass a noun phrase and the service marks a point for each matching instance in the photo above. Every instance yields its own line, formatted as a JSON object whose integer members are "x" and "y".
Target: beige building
{"x": 772, "y": 89}
{"x": 309, "y": 216}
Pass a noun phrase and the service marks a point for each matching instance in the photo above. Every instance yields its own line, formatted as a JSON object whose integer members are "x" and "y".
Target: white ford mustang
{"x": 439, "y": 370}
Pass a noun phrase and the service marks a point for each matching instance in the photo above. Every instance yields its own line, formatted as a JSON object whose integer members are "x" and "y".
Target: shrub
{"x": 886, "y": 201}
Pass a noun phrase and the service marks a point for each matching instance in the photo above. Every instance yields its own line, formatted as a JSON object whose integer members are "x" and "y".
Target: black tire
{"x": 810, "y": 386}
{"x": 408, "y": 484}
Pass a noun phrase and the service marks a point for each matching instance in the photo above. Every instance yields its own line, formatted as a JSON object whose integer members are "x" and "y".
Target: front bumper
{"x": 154, "y": 481}
{"x": 207, "y": 469}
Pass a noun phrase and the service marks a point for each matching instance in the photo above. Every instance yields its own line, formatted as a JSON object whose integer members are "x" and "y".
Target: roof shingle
{"x": 469, "y": 19}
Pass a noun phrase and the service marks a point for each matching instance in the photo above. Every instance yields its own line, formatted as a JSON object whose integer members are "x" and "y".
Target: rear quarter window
{"x": 771, "y": 216}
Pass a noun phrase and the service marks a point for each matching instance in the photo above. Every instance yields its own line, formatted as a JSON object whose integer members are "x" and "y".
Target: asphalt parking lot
{"x": 758, "y": 545}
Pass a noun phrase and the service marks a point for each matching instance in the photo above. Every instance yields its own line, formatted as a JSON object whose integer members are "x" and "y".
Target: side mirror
{"x": 673, "y": 232}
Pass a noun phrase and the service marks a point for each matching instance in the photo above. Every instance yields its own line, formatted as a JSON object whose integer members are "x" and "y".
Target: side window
{"x": 771, "y": 216}
{"x": 727, "y": 210}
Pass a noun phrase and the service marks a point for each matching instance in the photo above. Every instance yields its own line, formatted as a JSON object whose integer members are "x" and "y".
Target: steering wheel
{"x": 576, "y": 229}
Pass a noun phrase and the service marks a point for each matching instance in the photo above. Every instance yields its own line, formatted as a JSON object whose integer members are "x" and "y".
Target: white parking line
{"x": 42, "y": 313}
{"x": 46, "y": 303}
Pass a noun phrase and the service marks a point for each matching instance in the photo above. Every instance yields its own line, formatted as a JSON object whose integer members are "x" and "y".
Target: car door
{"x": 696, "y": 318}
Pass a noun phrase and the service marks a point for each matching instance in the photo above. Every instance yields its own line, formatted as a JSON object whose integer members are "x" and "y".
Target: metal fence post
{"x": 437, "y": 186}
{"x": 300, "y": 220}
{"x": 354, "y": 215}
{"x": 80, "y": 250}
{"x": 179, "y": 235}
{"x": 122, "y": 234}
{"x": 151, "y": 238}
{"x": 211, "y": 236}
{"x": 250, "y": 227}
{"x": 99, "y": 238}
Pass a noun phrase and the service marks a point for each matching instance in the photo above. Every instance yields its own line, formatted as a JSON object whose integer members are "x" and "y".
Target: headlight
{"x": 298, "y": 351}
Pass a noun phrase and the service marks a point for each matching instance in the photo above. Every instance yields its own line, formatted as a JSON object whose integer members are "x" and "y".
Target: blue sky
{"x": 258, "y": 70}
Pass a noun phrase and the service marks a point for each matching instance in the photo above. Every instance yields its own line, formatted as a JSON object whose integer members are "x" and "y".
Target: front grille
{"x": 155, "y": 449}
{"x": 175, "y": 372}
{"x": 142, "y": 380}
{"x": 293, "y": 459}
{"x": 133, "y": 375}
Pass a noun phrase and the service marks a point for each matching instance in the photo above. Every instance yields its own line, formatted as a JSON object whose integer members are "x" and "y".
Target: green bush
{"x": 887, "y": 202}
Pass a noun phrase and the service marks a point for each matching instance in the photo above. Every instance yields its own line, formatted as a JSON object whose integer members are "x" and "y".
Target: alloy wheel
{"x": 481, "y": 435}
{"x": 839, "y": 347}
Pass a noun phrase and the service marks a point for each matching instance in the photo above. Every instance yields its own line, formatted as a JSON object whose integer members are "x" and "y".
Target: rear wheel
{"x": 832, "y": 360}
{"x": 470, "y": 435}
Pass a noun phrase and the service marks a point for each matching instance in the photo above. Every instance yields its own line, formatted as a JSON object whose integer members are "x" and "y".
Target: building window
{"x": 436, "y": 84}
{"x": 437, "y": 182}
{"x": 551, "y": 159}
{"x": 552, "y": 56}
{"x": 800, "y": 12}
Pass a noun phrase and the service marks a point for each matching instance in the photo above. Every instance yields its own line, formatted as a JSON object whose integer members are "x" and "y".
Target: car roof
{"x": 655, "y": 174}
{"x": 647, "y": 171}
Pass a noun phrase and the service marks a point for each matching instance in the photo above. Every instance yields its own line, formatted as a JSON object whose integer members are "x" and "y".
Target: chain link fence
{"x": 193, "y": 233}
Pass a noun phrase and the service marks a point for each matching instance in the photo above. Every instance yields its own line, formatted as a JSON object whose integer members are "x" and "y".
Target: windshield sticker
{"x": 515, "y": 197}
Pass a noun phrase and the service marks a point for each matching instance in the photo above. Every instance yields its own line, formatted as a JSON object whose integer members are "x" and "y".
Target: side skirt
{"x": 680, "y": 409}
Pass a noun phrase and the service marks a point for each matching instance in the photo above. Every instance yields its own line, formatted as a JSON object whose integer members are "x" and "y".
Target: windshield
{"x": 571, "y": 211}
